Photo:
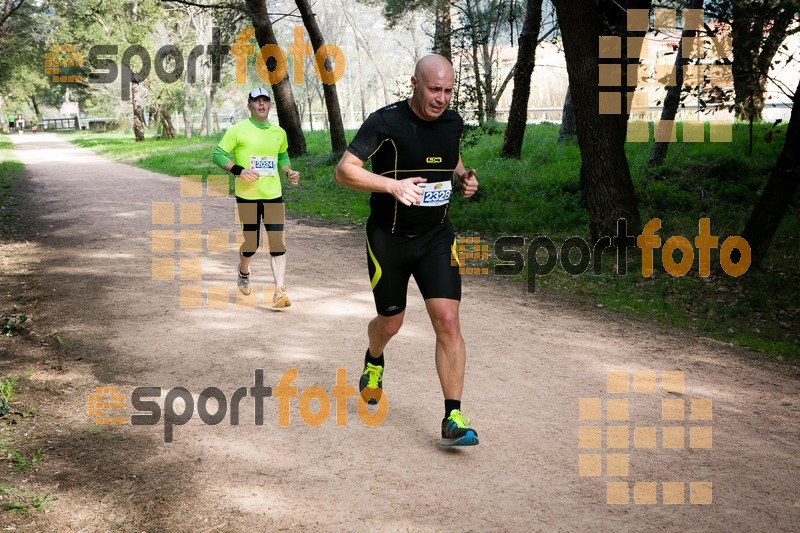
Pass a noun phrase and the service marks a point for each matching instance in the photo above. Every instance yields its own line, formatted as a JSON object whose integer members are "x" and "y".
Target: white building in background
{"x": 549, "y": 82}
{"x": 784, "y": 78}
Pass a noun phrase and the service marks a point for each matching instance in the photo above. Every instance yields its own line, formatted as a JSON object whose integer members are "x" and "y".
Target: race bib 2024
{"x": 264, "y": 165}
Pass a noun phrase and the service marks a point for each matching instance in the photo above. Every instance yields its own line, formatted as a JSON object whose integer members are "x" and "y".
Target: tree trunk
{"x": 569, "y": 126}
{"x": 9, "y": 8}
{"x": 203, "y": 125}
{"x": 212, "y": 105}
{"x": 208, "y": 84}
{"x": 478, "y": 89}
{"x": 152, "y": 114}
{"x": 488, "y": 74}
{"x": 508, "y": 78}
{"x": 526, "y": 60}
{"x": 444, "y": 28}
{"x": 165, "y": 119}
{"x": 472, "y": 20}
{"x": 310, "y": 110}
{"x": 187, "y": 117}
{"x": 360, "y": 82}
{"x": 605, "y": 175}
{"x": 747, "y": 32}
{"x": 286, "y": 107}
{"x": 670, "y": 109}
{"x": 138, "y": 122}
{"x": 362, "y": 100}
{"x": 324, "y": 115}
{"x": 338, "y": 142}
{"x": 35, "y": 106}
{"x": 673, "y": 97}
{"x": 778, "y": 193}
{"x": 758, "y": 31}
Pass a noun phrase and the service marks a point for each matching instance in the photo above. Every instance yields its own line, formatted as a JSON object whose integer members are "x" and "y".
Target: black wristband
{"x": 236, "y": 170}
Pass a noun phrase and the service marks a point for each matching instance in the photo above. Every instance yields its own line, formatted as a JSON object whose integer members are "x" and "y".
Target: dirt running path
{"x": 531, "y": 358}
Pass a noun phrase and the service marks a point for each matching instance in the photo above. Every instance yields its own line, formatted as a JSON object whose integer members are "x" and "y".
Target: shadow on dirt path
{"x": 588, "y": 420}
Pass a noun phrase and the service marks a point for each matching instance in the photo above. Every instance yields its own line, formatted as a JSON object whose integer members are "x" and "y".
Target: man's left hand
{"x": 469, "y": 184}
{"x": 293, "y": 176}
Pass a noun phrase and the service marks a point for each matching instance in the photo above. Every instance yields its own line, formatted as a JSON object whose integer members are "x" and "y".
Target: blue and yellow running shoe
{"x": 371, "y": 383}
{"x": 456, "y": 431}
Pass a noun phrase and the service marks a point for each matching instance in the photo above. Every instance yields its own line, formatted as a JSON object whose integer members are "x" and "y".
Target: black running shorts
{"x": 430, "y": 257}
{"x": 272, "y": 214}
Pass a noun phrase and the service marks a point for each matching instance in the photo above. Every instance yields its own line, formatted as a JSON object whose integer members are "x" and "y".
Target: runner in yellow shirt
{"x": 254, "y": 151}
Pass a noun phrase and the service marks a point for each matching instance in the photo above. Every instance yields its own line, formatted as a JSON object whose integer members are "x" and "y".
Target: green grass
{"x": 13, "y": 498}
{"x": 12, "y": 321}
{"x": 7, "y": 389}
{"x": 317, "y": 195}
{"x": 175, "y": 157}
{"x": 23, "y": 501}
{"x": 11, "y": 172}
{"x": 539, "y": 195}
{"x": 21, "y": 463}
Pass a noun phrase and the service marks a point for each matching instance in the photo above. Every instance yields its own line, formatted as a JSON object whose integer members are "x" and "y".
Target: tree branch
{"x": 228, "y": 5}
{"x": 782, "y": 87}
{"x": 235, "y": 6}
{"x": 8, "y": 10}
{"x": 510, "y": 75}
{"x": 281, "y": 16}
{"x": 503, "y": 85}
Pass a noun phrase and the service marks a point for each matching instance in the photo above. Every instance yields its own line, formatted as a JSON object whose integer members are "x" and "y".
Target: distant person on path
{"x": 10, "y": 123}
{"x": 255, "y": 151}
{"x": 416, "y": 166}
{"x": 20, "y": 124}
{"x": 34, "y": 125}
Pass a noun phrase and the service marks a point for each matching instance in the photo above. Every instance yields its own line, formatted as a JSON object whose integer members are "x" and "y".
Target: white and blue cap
{"x": 258, "y": 92}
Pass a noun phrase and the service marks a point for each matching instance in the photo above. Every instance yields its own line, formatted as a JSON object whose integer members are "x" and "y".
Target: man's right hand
{"x": 249, "y": 174}
{"x": 406, "y": 191}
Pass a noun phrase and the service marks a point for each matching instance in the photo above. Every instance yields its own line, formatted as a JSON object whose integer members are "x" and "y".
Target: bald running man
{"x": 416, "y": 167}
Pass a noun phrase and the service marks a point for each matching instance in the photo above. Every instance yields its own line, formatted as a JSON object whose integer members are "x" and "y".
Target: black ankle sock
{"x": 378, "y": 361}
{"x": 449, "y": 405}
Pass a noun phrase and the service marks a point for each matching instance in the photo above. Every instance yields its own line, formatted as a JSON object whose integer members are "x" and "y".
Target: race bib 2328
{"x": 435, "y": 194}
